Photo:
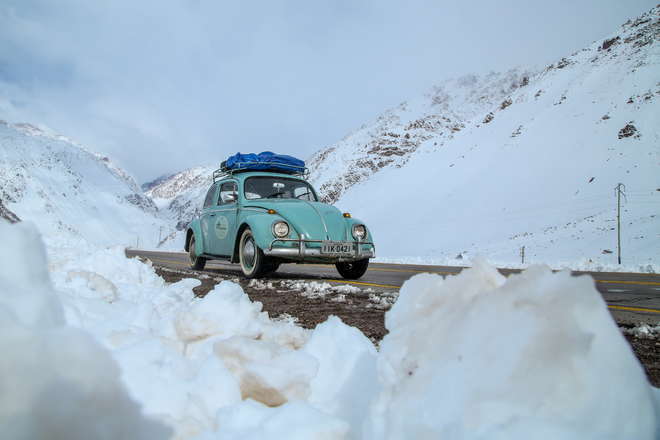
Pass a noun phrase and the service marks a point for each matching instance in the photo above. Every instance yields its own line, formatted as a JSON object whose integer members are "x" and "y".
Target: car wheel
{"x": 252, "y": 259}
{"x": 196, "y": 262}
{"x": 352, "y": 270}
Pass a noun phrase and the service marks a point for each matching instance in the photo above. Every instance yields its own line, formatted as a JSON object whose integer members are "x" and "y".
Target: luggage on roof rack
{"x": 264, "y": 161}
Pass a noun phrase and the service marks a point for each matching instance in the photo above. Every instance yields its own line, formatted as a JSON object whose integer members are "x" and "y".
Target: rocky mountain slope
{"x": 396, "y": 135}
{"x": 435, "y": 119}
{"x": 180, "y": 196}
{"x": 71, "y": 192}
{"x": 532, "y": 159}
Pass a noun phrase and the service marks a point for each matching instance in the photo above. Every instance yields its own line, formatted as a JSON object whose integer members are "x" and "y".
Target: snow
{"x": 295, "y": 420}
{"x": 470, "y": 356}
{"x": 71, "y": 193}
{"x": 347, "y": 377}
{"x": 58, "y": 382}
{"x": 316, "y": 289}
{"x": 482, "y": 356}
{"x": 643, "y": 331}
{"x": 180, "y": 198}
{"x": 579, "y": 264}
{"x": 182, "y": 357}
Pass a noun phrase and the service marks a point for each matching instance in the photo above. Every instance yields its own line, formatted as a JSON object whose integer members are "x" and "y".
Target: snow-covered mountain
{"x": 180, "y": 196}
{"x": 69, "y": 191}
{"x": 389, "y": 142}
{"x": 440, "y": 116}
{"x": 491, "y": 164}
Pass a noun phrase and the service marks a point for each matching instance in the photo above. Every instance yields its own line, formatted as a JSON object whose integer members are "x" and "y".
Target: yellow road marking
{"x": 643, "y": 283}
{"x": 444, "y": 272}
{"x": 634, "y": 309}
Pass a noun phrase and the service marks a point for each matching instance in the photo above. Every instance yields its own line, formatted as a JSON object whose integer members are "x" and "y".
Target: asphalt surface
{"x": 631, "y": 297}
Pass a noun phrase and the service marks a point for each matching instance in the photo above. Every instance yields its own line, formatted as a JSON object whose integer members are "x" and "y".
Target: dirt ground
{"x": 648, "y": 353}
{"x": 309, "y": 303}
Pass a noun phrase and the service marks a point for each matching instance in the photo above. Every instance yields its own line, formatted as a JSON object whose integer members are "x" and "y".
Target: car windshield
{"x": 272, "y": 187}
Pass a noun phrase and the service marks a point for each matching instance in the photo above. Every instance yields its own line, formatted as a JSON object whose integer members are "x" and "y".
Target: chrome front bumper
{"x": 301, "y": 251}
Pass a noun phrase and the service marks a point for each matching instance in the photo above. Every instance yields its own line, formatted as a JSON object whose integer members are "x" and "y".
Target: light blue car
{"x": 261, "y": 219}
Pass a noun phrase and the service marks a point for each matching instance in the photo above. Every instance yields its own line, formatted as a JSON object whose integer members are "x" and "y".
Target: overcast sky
{"x": 162, "y": 85}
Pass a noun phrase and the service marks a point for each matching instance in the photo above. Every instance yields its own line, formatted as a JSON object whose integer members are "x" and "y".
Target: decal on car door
{"x": 221, "y": 227}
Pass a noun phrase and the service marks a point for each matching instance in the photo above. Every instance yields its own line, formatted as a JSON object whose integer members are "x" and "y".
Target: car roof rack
{"x": 245, "y": 167}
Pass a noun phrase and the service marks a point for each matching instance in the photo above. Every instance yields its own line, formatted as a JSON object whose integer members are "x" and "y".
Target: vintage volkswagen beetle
{"x": 262, "y": 216}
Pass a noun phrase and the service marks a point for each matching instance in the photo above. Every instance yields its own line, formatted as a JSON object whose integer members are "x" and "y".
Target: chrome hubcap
{"x": 248, "y": 253}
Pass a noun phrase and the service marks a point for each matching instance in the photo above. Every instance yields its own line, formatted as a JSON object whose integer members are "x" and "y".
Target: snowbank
{"x": 470, "y": 356}
{"x": 580, "y": 265}
{"x": 57, "y": 381}
{"x": 201, "y": 365}
{"x": 481, "y": 356}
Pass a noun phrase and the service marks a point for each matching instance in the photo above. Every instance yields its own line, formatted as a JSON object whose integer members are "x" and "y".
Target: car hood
{"x": 309, "y": 218}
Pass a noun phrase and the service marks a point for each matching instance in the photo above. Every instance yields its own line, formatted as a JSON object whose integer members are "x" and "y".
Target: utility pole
{"x": 522, "y": 254}
{"x": 618, "y": 190}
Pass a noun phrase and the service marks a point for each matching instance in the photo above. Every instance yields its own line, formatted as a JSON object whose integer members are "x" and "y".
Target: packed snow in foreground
{"x": 103, "y": 348}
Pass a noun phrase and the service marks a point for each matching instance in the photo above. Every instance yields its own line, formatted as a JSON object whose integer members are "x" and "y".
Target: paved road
{"x": 631, "y": 297}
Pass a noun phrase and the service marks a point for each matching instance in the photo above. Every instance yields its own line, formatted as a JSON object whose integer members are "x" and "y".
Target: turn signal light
{"x": 347, "y": 215}
{"x": 272, "y": 211}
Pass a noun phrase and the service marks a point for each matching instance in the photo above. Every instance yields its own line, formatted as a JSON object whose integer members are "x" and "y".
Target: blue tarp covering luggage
{"x": 264, "y": 161}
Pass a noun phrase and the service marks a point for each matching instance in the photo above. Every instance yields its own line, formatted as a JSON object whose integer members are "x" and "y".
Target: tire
{"x": 196, "y": 262}
{"x": 270, "y": 268}
{"x": 252, "y": 259}
{"x": 352, "y": 270}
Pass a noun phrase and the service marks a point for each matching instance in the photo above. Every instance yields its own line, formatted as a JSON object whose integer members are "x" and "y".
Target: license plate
{"x": 336, "y": 248}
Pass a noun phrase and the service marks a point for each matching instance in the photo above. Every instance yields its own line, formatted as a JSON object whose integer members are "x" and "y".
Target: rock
{"x": 7, "y": 214}
{"x": 609, "y": 43}
{"x": 628, "y": 131}
{"x": 507, "y": 102}
{"x": 563, "y": 63}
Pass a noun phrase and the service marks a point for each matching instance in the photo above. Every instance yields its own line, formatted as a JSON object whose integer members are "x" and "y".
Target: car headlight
{"x": 359, "y": 232}
{"x": 280, "y": 229}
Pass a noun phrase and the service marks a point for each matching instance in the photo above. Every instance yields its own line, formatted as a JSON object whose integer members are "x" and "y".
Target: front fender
{"x": 261, "y": 227}
{"x": 196, "y": 229}
{"x": 354, "y": 221}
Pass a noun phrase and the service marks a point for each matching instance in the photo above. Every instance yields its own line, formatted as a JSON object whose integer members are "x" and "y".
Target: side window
{"x": 228, "y": 193}
{"x": 209, "y": 197}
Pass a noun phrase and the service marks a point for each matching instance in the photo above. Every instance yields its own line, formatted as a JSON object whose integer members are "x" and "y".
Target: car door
{"x": 207, "y": 219}
{"x": 226, "y": 211}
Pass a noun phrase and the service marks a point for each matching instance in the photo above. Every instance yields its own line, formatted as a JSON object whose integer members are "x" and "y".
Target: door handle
{"x": 212, "y": 215}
